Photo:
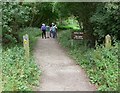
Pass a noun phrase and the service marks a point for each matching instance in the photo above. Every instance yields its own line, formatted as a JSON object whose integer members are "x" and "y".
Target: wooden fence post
{"x": 72, "y": 42}
{"x": 26, "y": 46}
{"x": 108, "y": 41}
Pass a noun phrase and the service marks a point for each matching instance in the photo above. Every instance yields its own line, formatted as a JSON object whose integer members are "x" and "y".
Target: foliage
{"x": 46, "y": 14}
{"x": 96, "y": 19}
{"x": 69, "y": 23}
{"x": 16, "y": 71}
{"x": 33, "y": 34}
{"x": 17, "y": 74}
{"x": 65, "y": 37}
{"x": 16, "y": 15}
{"x": 101, "y": 64}
{"x": 106, "y": 20}
{"x": 0, "y": 68}
{"x": 106, "y": 61}
{"x": 62, "y": 11}
{"x": 82, "y": 11}
{"x": 64, "y": 27}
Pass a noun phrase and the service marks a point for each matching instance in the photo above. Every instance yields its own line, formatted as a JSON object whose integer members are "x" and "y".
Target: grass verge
{"x": 101, "y": 64}
{"x": 17, "y": 73}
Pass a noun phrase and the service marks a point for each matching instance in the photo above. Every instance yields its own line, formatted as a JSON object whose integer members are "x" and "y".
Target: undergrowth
{"x": 101, "y": 64}
{"x": 17, "y": 73}
{"x": 33, "y": 34}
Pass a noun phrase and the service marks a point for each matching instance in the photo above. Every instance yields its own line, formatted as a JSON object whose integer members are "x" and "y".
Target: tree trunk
{"x": 33, "y": 15}
{"x": 21, "y": 2}
{"x": 88, "y": 30}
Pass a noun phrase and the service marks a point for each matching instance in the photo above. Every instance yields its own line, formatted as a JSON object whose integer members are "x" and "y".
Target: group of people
{"x": 49, "y": 31}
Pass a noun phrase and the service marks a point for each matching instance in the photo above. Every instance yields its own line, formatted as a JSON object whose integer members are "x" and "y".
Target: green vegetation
{"x": 17, "y": 74}
{"x": 0, "y": 68}
{"x": 14, "y": 16}
{"x": 95, "y": 19}
{"x": 69, "y": 23}
{"x": 33, "y": 33}
{"x": 17, "y": 15}
{"x": 101, "y": 64}
{"x": 106, "y": 20}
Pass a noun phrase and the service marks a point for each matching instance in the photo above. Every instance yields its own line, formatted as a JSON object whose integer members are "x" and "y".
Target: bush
{"x": 14, "y": 16}
{"x": 65, "y": 37}
{"x": 33, "y": 33}
{"x": 103, "y": 67}
{"x": 64, "y": 27}
{"x": 0, "y": 68}
{"x": 106, "y": 20}
{"x": 17, "y": 74}
{"x": 101, "y": 64}
{"x": 68, "y": 27}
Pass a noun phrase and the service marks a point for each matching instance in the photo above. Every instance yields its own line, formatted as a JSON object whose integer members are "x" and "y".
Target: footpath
{"x": 59, "y": 71}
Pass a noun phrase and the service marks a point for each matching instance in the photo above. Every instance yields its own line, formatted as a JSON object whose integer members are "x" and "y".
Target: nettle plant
{"x": 14, "y": 16}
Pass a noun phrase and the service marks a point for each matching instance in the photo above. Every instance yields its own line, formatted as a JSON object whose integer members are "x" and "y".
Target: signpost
{"x": 77, "y": 35}
{"x": 26, "y": 46}
{"x": 108, "y": 41}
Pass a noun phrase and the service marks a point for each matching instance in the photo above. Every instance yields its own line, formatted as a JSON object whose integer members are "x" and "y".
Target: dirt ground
{"x": 59, "y": 71}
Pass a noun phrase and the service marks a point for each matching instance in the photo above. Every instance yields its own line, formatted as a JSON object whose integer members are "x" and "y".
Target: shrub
{"x": 68, "y": 27}
{"x": 0, "y": 68}
{"x": 33, "y": 33}
{"x": 103, "y": 67}
{"x": 64, "y": 27}
{"x": 17, "y": 74}
{"x": 101, "y": 64}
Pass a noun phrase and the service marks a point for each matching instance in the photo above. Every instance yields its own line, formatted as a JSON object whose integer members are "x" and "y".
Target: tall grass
{"x": 101, "y": 64}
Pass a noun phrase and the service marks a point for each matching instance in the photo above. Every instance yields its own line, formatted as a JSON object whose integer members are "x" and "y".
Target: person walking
{"x": 51, "y": 34}
{"x": 54, "y": 29}
{"x": 43, "y": 28}
{"x": 47, "y": 31}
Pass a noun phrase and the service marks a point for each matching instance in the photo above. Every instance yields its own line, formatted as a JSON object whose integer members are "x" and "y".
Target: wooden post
{"x": 26, "y": 46}
{"x": 108, "y": 41}
{"x": 72, "y": 42}
{"x": 96, "y": 43}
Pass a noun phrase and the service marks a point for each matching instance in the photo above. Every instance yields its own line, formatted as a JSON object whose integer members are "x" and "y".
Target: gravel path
{"x": 59, "y": 71}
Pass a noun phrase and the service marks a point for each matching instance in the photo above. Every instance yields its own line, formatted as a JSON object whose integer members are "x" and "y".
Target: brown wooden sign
{"x": 77, "y": 35}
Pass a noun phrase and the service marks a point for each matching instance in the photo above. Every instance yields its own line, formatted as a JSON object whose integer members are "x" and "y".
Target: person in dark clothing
{"x": 43, "y": 28}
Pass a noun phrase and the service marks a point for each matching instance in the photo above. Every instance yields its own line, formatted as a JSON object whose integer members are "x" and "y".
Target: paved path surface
{"x": 59, "y": 71}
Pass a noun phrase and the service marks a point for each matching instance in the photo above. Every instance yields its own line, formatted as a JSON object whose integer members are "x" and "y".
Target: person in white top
{"x": 54, "y": 30}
